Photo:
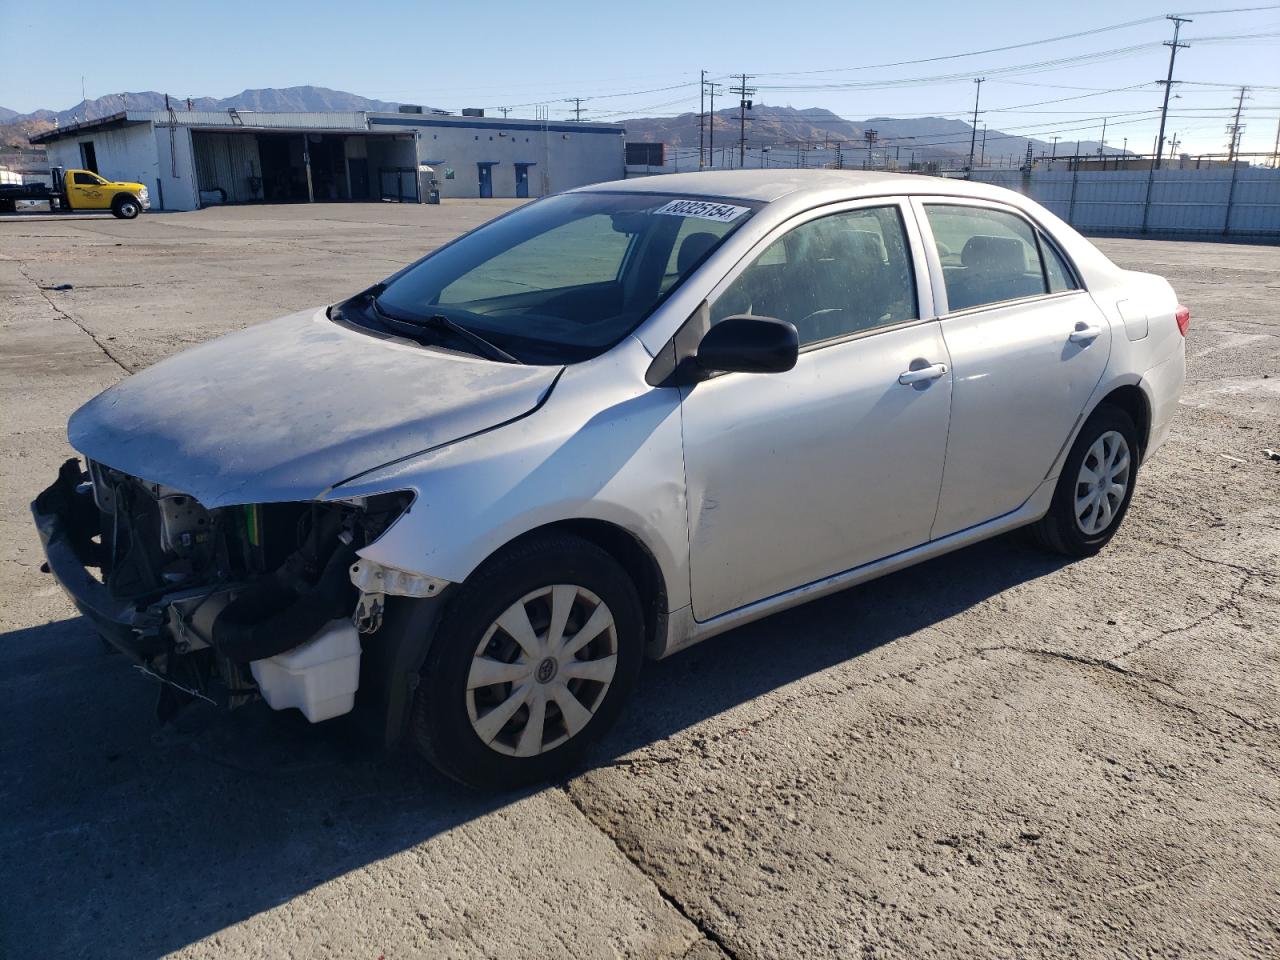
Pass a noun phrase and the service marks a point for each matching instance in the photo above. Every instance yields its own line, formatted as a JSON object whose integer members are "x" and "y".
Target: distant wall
{"x": 175, "y": 169}
{"x": 1241, "y": 202}
{"x": 559, "y": 155}
{"x": 125, "y": 153}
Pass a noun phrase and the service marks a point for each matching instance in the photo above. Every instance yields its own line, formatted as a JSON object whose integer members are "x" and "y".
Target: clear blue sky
{"x": 503, "y": 53}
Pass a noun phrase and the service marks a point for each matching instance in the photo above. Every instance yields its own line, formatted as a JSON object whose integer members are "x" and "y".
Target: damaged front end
{"x": 228, "y": 603}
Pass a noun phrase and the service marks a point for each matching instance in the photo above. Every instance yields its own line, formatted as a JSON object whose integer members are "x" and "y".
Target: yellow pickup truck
{"x": 85, "y": 190}
{"x": 81, "y": 190}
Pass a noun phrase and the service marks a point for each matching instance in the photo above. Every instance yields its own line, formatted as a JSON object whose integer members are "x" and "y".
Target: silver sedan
{"x": 462, "y": 505}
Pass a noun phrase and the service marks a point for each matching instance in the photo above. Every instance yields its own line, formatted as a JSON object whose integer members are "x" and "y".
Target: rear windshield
{"x": 565, "y": 278}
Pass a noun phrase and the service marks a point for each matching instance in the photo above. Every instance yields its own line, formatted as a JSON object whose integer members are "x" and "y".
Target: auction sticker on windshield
{"x": 702, "y": 210}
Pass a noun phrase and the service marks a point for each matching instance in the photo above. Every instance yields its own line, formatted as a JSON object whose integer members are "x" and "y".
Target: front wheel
{"x": 532, "y": 663}
{"x": 126, "y": 208}
{"x": 1095, "y": 486}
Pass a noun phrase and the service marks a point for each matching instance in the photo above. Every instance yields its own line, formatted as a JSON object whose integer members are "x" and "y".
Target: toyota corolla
{"x": 464, "y": 504}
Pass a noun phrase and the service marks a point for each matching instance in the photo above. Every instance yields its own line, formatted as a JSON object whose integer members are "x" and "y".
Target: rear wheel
{"x": 531, "y": 664}
{"x": 126, "y": 208}
{"x": 1095, "y": 486}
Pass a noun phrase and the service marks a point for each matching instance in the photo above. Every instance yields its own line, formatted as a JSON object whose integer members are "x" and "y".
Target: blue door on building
{"x": 486, "y": 179}
{"x": 522, "y": 179}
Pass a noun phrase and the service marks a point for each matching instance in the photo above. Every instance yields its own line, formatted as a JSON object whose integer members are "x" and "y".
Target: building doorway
{"x": 284, "y": 171}
{"x": 522, "y": 179}
{"x": 486, "y": 179}
{"x": 358, "y": 170}
{"x": 88, "y": 156}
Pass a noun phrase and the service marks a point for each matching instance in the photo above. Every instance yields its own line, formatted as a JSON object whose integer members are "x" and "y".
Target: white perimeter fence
{"x": 1230, "y": 201}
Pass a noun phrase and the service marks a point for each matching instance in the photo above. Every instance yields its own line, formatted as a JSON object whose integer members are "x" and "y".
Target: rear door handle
{"x": 1085, "y": 333}
{"x": 908, "y": 377}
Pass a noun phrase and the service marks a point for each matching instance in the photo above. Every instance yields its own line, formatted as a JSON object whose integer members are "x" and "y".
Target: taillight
{"x": 1183, "y": 316}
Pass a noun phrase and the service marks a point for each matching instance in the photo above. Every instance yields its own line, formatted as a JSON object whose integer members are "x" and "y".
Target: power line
{"x": 971, "y": 53}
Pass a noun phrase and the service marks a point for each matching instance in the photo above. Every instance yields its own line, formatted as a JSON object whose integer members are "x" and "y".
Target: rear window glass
{"x": 988, "y": 256}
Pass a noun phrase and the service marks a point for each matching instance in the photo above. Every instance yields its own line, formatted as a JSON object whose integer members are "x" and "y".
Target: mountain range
{"x": 787, "y": 128}
{"x": 782, "y": 128}
{"x": 300, "y": 99}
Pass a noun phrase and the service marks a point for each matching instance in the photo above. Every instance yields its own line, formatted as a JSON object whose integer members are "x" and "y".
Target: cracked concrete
{"x": 995, "y": 754}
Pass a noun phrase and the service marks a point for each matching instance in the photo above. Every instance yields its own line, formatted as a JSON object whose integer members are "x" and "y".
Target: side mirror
{"x": 749, "y": 345}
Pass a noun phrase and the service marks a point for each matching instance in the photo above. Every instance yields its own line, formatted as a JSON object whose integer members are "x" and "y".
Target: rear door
{"x": 1027, "y": 344}
{"x": 794, "y": 477}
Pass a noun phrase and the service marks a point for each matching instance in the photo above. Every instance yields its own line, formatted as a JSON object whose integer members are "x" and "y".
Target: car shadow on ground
{"x": 122, "y": 838}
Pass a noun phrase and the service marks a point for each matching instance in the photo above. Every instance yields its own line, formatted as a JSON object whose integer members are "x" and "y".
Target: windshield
{"x": 557, "y": 281}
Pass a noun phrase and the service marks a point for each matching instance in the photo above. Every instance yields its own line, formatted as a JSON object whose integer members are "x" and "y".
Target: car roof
{"x": 770, "y": 185}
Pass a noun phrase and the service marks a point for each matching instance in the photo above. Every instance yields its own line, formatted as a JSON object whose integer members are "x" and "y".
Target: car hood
{"x": 286, "y": 409}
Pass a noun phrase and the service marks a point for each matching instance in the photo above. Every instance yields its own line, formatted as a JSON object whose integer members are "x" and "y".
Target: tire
{"x": 1063, "y": 529}
{"x": 126, "y": 207}
{"x": 454, "y": 727}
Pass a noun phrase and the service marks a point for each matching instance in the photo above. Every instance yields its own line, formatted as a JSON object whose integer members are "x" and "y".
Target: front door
{"x": 88, "y": 191}
{"x": 522, "y": 179}
{"x": 486, "y": 179}
{"x": 1027, "y": 346}
{"x": 797, "y": 476}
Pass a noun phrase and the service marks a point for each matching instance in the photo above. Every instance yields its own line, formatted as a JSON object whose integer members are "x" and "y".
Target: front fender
{"x": 605, "y": 446}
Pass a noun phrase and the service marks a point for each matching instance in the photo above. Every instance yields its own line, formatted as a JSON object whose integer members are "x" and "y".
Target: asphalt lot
{"x": 993, "y": 755}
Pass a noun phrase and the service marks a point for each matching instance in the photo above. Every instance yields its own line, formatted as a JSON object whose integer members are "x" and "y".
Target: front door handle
{"x": 1085, "y": 333}
{"x": 933, "y": 372}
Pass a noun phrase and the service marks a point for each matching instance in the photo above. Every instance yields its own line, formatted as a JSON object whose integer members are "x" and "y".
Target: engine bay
{"x": 201, "y": 595}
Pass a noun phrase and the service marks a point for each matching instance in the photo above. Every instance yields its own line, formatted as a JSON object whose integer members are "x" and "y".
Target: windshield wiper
{"x": 438, "y": 321}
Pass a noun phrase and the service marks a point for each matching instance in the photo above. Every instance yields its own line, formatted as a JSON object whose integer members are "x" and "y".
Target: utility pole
{"x": 577, "y": 108}
{"x": 1102, "y": 147}
{"x": 982, "y": 154}
{"x": 711, "y": 125}
{"x": 743, "y": 91}
{"x": 702, "y": 118}
{"x": 505, "y": 111}
{"x": 1174, "y": 46}
{"x": 1055, "y": 148}
{"x": 1173, "y": 147}
{"x": 1275, "y": 153}
{"x": 973, "y": 137}
{"x": 1234, "y": 129}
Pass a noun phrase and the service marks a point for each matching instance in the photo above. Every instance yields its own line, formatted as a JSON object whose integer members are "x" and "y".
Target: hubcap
{"x": 1102, "y": 483}
{"x": 542, "y": 670}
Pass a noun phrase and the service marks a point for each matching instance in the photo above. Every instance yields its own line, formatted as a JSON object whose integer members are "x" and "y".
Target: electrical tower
{"x": 702, "y": 119}
{"x": 1235, "y": 129}
{"x": 973, "y": 137}
{"x": 1174, "y": 46}
{"x": 577, "y": 108}
{"x": 711, "y": 122}
{"x": 743, "y": 92}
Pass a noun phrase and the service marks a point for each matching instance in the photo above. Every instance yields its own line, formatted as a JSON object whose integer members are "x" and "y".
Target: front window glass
{"x": 988, "y": 256}
{"x": 830, "y": 277}
{"x": 565, "y": 278}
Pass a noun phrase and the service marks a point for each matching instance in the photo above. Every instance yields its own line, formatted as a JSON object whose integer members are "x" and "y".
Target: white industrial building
{"x": 190, "y": 159}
